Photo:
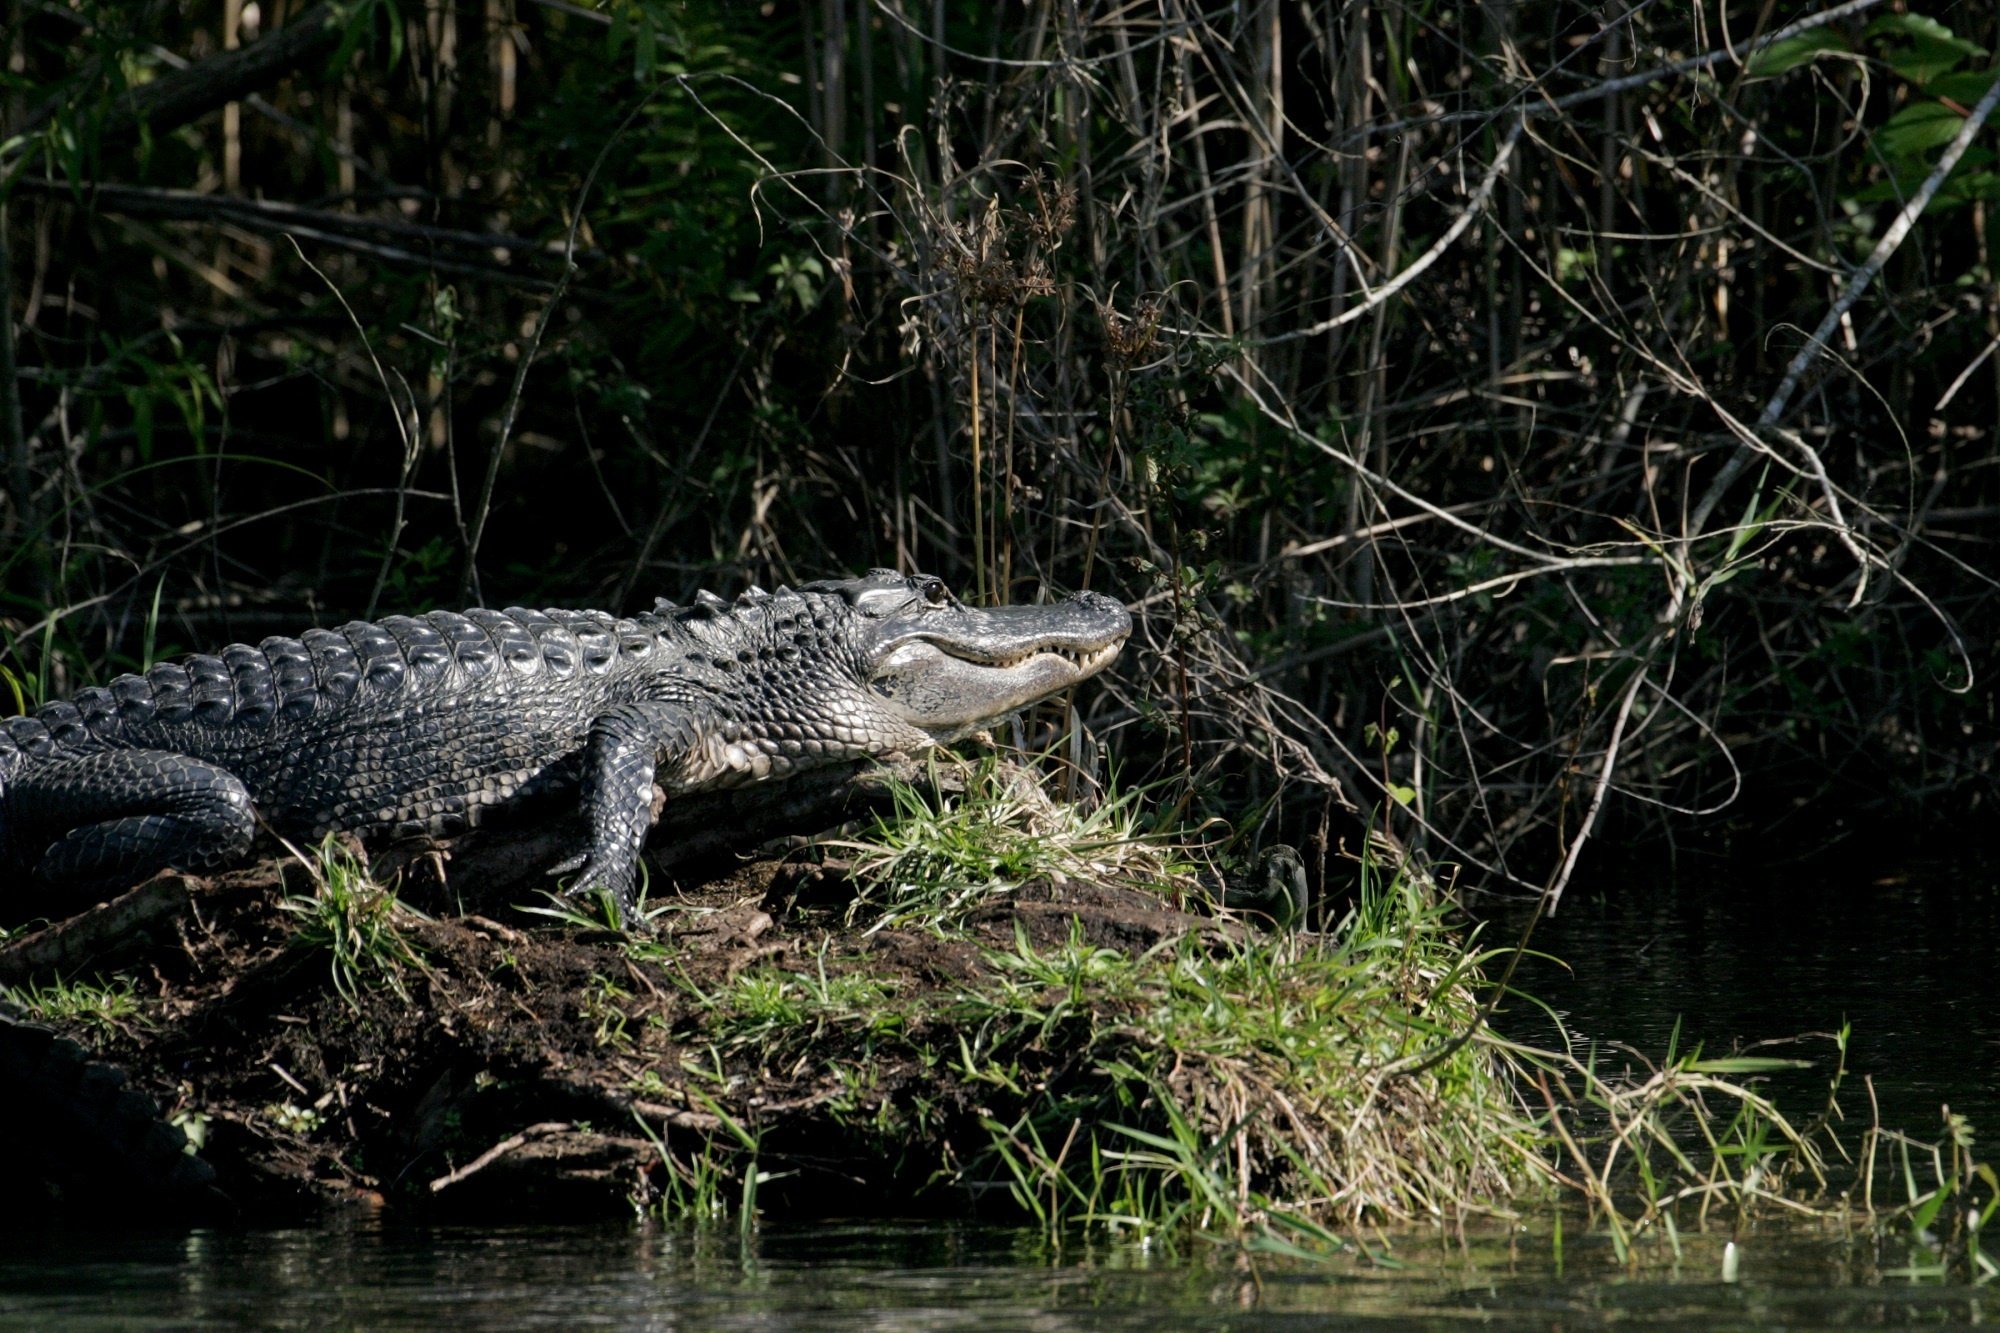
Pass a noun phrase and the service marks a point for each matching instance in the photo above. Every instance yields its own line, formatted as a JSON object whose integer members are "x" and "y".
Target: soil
{"x": 529, "y": 1068}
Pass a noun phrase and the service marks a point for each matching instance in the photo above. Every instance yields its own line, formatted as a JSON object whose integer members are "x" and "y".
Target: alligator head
{"x": 948, "y": 669}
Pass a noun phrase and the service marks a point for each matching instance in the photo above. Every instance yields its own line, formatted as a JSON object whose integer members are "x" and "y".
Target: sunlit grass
{"x": 105, "y": 1003}
{"x": 1214, "y": 1082}
{"x": 766, "y": 1005}
{"x": 362, "y": 926}
{"x": 1286, "y": 1089}
{"x": 941, "y": 855}
{"x": 1237, "y": 1085}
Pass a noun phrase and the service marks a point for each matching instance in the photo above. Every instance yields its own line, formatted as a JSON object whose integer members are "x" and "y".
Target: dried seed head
{"x": 997, "y": 280}
{"x": 1055, "y": 218}
{"x": 1129, "y": 340}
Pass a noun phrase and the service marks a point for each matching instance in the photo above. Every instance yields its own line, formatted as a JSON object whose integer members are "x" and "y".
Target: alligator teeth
{"x": 1079, "y": 658}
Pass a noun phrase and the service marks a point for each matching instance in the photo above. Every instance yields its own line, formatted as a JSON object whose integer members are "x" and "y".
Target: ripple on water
{"x": 930, "y": 1276}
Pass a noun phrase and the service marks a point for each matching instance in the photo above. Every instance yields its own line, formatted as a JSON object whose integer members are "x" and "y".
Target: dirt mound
{"x": 513, "y": 1066}
{"x": 984, "y": 998}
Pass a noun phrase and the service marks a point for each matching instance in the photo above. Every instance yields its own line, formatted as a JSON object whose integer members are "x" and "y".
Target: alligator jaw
{"x": 957, "y": 669}
{"x": 1084, "y": 661}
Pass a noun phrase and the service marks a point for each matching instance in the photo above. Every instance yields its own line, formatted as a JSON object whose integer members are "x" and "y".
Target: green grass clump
{"x": 1216, "y": 1082}
{"x": 363, "y": 927}
{"x": 1272, "y": 1080}
{"x": 105, "y": 1003}
{"x": 941, "y": 855}
{"x": 1279, "y": 1088}
{"x": 767, "y": 1005}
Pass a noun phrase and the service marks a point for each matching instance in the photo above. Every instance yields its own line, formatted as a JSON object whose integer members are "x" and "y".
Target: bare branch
{"x": 175, "y": 99}
{"x": 1891, "y": 241}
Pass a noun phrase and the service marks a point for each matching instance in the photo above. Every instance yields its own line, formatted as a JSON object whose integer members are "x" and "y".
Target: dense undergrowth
{"x": 1436, "y": 383}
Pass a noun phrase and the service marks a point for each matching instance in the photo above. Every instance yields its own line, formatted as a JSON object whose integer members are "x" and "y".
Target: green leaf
{"x": 1975, "y": 185}
{"x": 1795, "y": 51}
{"x": 1917, "y": 128}
{"x": 13, "y": 683}
{"x": 1933, "y": 48}
{"x": 1919, "y": 28}
{"x": 395, "y": 32}
{"x": 1965, "y": 87}
{"x": 1744, "y": 1064}
{"x": 1572, "y": 263}
{"x": 1922, "y": 1218}
{"x": 142, "y": 422}
{"x": 360, "y": 23}
{"x": 1403, "y": 795}
{"x": 1962, "y": 188}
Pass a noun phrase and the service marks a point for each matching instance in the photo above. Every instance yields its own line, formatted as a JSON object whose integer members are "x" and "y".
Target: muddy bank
{"x": 769, "y": 1042}
{"x": 531, "y": 1069}
{"x": 511, "y": 1064}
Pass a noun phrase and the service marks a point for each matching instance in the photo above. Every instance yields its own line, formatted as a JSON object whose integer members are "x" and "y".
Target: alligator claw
{"x": 598, "y": 880}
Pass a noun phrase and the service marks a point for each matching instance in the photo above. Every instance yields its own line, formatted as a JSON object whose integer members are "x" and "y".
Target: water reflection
{"x": 1909, "y": 956}
{"x": 926, "y": 1276}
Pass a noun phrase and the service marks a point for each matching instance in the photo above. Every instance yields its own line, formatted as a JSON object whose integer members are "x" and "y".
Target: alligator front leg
{"x": 628, "y": 747}
{"x": 106, "y": 820}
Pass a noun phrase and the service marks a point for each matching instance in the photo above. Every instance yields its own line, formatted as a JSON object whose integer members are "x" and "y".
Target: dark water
{"x": 937, "y": 1276}
{"x": 1913, "y": 964}
{"x": 1910, "y": 958}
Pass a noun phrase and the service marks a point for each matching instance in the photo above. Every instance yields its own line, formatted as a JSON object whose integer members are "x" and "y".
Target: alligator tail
{"x": 89, "y": 1137}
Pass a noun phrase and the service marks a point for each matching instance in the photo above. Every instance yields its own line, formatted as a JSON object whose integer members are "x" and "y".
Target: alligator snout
{"x": 949, "y": 668}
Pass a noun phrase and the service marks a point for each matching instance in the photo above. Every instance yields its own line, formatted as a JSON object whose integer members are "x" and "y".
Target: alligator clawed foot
{"x": 596, "y": 883}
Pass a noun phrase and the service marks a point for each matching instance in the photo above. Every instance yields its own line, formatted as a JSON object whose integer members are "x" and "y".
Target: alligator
{"x": 428, "y": 725}
{"x": 84, "y": 1130}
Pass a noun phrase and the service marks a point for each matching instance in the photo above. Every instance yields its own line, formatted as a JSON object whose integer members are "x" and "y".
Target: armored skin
{"x": 430, "y": 724}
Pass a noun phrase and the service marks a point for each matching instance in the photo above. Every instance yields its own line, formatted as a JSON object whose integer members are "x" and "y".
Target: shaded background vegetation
{"x": 1410, "y": 368}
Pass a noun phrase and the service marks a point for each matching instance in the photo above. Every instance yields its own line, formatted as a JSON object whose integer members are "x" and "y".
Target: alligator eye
{"x": 935, "y": 594}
